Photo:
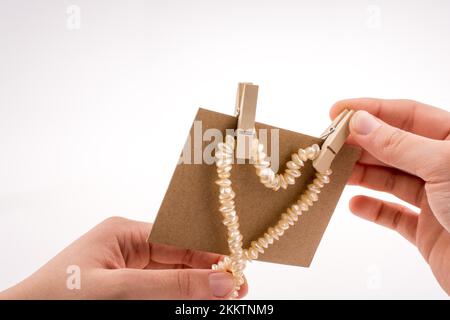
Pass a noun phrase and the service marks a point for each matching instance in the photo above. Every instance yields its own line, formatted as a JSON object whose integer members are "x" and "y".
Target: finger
{"x": 174, "y": 255}
{"x": 432, "y": 233}
{"x": 243, "y": 291}
{"x": 414, "y": 154}
{"x": 366, "y": 157}
{"x": 407, "y": 115}
{"x": 138, "y": 253}
{"x": 163, "y": 266}
{"x": 127, "y": 239}
{"x": 388, "y": 214}
{"x": 173, "y": 284}
{"x": 402, "y": 185}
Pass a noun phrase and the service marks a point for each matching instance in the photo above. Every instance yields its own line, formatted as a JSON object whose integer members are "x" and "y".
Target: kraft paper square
{"x": 189, "y": 215}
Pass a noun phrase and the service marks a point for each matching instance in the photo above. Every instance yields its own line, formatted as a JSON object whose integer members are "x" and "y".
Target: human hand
{"x": 116, "y": 262}
{"x": 406, "y": 152}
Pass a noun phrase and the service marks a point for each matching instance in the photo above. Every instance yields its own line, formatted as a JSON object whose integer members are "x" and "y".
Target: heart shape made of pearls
{"x": 236, "y": 261}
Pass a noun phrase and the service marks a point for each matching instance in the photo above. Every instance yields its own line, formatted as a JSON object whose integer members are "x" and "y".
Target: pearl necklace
{"x": 236, "y": 261}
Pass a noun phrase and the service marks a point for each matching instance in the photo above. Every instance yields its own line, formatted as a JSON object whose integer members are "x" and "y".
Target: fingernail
{"x": 363, "y": 123}
{"x": 221, "y": 284}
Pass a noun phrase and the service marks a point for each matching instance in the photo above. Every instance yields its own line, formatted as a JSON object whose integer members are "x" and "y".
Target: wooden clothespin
{"x": 334, "y": 137}
{"x": 246, "y": 99}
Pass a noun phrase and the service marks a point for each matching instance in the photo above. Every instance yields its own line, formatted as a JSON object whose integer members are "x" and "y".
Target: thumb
{"x": 406, "y": 151}
{"x": 174, "y": 284}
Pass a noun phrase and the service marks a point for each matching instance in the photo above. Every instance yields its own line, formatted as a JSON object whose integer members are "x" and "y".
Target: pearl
{"x": 234, "y": 234}
{"x": 283, "y": 225}
{"x": 235, "y": 226}
{"x": 295, "y": 208}
{"x": 227, "y": 196}
{"x": 261, "y": 156}
{"x": 226, "y": 190}
{"x": 289, "y": 179}
{"x": 273, "y": 233}
{"x": 292, "y": 165}
{"x": 228, "y": 149}
{"x": 293, "y": 172}
{"x": 318, "y": 183}
{"x": 263, "y": 243}
{"x": 234, "y": 245}
{"x": 315, "y": 147}
{"x": 229, "y": 140}
{"x": 313, "y": 188}
{"x": 306, "y": 200}
{"x": 261, "y": 164}
{"x": 276, "y": 183}
{"x": 295, "y": 157}
{"x": 221, "y": 155}
{"x": 227, "y": 202}
{"x": 223, "y": 162}
{"x": 302, "y": 154}
{"x": 325, "y": 179}
{"x": 224, "y": 169}
{"x": 255, "y": 245}
{"x": 312, "y": 195}
{"x": 291, "y": 213}
{"x": 288, "y": 218}
{"x": 264, "y": 172}
{"x": 278, "y": 230}
{"x": 303, "y": 206}
{"x": 310, "y": 154}
{"x": 230, "y": 220}
{"x": 268, "y": 180}
{"x": 253, "y": 253}
{"x": 224, "y": 182}
{"x": 224, "y": 175}
{"x": 283, "y": 182}
{"x": 269, "y": 185}
{"x": 260, "y": 147}
{"x": 226, "y": 209}
{"x": 268, "y": 238}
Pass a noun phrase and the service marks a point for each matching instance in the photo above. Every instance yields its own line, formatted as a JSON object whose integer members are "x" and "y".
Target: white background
{"x": 92, "y": 120}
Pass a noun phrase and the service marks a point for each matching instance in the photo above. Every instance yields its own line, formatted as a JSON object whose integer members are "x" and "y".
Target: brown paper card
{"x": 189, "y": 215}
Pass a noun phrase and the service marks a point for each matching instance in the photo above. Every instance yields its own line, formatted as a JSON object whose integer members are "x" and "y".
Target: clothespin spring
{"x": 246, "y": 99}
{"x": 335, "y": 136}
